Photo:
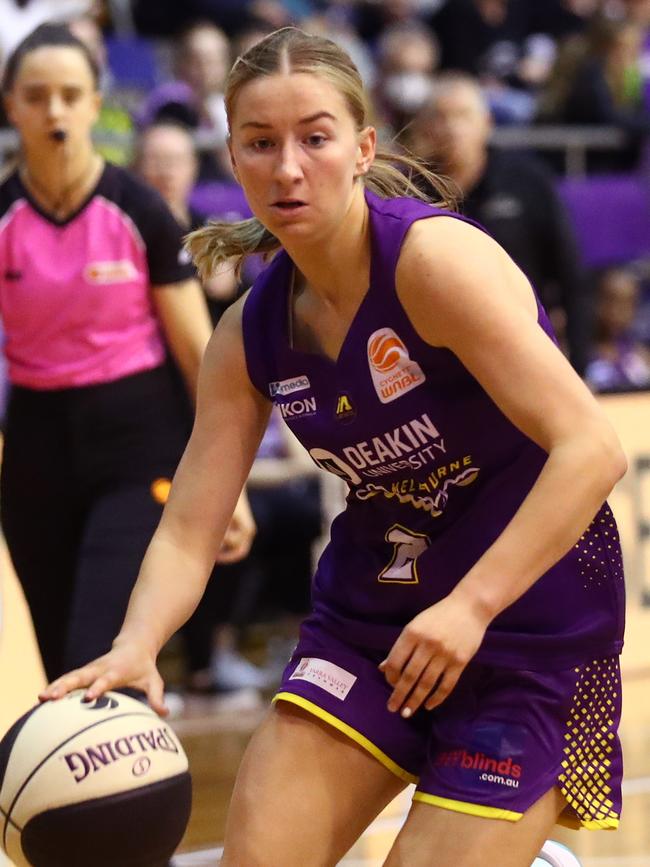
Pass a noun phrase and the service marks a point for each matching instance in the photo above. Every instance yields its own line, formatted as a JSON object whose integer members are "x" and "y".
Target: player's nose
{"x": 288, "y": 166}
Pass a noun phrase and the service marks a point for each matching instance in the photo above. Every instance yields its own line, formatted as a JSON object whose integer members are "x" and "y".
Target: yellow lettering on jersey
{"x": 343, "y": 405}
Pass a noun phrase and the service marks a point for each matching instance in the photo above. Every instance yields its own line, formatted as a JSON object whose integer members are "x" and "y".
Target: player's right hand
{"x": 129, "y": 663}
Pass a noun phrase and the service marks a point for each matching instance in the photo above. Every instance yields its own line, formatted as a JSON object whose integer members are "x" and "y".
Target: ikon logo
{"x": 295, "y": 408}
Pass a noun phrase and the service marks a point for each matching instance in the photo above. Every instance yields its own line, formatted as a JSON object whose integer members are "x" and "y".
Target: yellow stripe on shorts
{"x": 353, "y": 734}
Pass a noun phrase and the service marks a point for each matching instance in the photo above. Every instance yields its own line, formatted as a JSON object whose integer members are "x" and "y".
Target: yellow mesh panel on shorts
{"x": 590, "y": 739}
{"x": 600, "y": 551}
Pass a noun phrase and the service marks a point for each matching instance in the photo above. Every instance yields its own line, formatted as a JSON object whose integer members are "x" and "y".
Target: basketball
{"x": 555, "y": 854}
{"x": 104, "y": 782}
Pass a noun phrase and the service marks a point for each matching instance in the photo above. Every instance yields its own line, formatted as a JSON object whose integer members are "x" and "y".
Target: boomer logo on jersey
{"x": 393, "y": 373}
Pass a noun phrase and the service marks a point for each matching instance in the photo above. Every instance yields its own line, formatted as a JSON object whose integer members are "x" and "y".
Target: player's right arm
{"x": 231, "y": 416}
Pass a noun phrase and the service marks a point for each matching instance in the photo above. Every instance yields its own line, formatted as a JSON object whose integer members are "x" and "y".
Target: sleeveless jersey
{"x": 435, "y": 472}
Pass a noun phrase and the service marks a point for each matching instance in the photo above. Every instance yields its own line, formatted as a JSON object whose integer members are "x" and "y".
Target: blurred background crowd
{"x": 538, "y": 110}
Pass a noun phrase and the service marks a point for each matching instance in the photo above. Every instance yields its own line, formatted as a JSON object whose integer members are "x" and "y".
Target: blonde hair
{"x": 390, "y": 175}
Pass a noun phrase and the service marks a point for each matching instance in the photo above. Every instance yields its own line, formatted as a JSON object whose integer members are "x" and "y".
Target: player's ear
{"x": 366, "y": 149}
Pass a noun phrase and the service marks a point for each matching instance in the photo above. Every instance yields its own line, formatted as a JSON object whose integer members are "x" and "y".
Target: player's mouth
{"x": 288, "y": 206}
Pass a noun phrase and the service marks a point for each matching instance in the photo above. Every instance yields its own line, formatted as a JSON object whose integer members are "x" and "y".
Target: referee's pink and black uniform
{"x": 96, "y": 413}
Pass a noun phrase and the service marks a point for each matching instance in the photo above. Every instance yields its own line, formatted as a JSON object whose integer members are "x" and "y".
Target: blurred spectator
{"x": 166, "y": 159}
{"x": 275, "y": 579}
{"x": 488, "y": 38}
{"x": 561, "y": 18}
{"x": 250, "y": 35}
{"x": 638, "y": 11}
{"x": 512, "y": 197}
{"x": 20, "y": 17}
{"x": 597, "y": 80}
{"x": 371, "y": 18}
{"x": 634, "y": 10}
{"x": 113, "y": 119}
{"x": 408, "y": 56}
{"x": 195, "y": 97}
{"x": 619, "y": 361}
{"x": 166, "y": 17}
{"x": 285, "y": 496}
{"x": 334, "y": 24}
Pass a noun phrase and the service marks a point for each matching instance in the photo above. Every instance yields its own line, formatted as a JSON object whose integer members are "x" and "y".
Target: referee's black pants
{"x": 80, "y": 496}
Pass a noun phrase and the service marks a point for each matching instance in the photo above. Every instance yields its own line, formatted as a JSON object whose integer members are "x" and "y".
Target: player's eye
{"x": 317, "y": 139}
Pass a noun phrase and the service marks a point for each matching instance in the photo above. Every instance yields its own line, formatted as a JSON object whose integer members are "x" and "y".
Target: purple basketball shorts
{"x": 501, "y": 740}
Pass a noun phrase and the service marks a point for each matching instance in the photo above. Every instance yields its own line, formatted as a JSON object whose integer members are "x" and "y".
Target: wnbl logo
{"x": 392, "y": 371}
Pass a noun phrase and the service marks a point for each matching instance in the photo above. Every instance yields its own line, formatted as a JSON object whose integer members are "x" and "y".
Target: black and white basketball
{"x": 92, "y": 784}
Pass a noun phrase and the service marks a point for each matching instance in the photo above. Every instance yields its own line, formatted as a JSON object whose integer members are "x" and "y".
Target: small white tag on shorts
{"x": 328, "y": 676}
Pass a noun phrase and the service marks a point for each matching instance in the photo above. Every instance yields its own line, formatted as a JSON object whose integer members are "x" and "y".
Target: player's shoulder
{"x": 400, "y": 207}
{"x": 447, "y": 239}
{"x": 446, "y": 259}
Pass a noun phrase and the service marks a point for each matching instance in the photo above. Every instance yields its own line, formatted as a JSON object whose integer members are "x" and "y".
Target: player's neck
{"x": 60, "y": 181}
{"x": 338, "y": 265}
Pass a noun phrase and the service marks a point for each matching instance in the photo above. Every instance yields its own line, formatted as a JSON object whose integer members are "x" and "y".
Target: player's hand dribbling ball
{"x": 104, "y": 782}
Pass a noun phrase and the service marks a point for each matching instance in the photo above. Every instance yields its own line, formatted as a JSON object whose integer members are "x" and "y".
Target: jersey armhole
{"x": 254, "y": 340}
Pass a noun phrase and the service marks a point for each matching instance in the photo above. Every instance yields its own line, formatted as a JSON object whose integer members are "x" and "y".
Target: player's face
{"x": 296, "y": 152}
{"x": 53, "y": 90}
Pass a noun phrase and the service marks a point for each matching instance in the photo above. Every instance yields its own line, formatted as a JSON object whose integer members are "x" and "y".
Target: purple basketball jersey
{"x": 435, "y": 473}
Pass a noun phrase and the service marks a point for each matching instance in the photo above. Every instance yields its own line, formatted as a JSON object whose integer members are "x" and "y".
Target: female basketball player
{"x": 467, "y": 612}
{"x": 93, "y": 289}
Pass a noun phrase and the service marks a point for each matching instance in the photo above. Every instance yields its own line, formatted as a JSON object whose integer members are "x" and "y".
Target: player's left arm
{"x": 461, "y": 291}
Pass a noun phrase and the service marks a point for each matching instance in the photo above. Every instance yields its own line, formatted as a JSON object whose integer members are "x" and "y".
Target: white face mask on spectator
{"x": 407, "y": 91}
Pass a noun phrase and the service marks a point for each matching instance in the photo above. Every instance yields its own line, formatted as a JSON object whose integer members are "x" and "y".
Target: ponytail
{"x": 390, "y": 176}
{"x": 218, "y": 242}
